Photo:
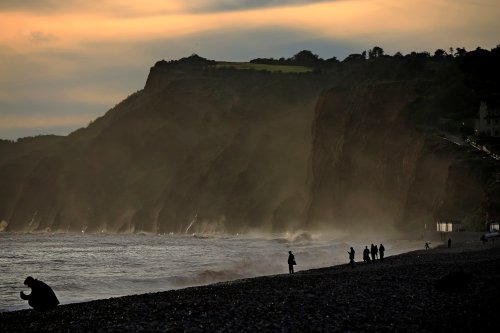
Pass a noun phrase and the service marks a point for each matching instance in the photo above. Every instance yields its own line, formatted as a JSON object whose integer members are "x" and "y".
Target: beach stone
{"x": 454, "y": 282}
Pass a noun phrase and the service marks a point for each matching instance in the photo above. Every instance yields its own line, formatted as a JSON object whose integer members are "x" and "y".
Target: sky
{"x": 65, "y": 63}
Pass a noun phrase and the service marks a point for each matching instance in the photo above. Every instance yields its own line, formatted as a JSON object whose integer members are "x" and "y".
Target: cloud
{"x": 104, "y": 8}
{"x": 41, "y": 37}
{"x": 44, "y": 6}
{"x": 348, "y": 19}
{"x": 223, "y": 45}
{"x": 138, "y": 7}
{"x": 197, "y": 6}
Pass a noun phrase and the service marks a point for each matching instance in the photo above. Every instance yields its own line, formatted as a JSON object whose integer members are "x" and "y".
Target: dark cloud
{"x": 235, "y": 5}
{"x": 193, "y": 5}
{"x": 244, "y": 45}
{"x": 36, "y": 5}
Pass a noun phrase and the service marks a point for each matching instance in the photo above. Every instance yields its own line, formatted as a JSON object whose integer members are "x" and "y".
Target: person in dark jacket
{"x": 372, "y": 252}
{"x": 366, "y": 255}
{"x": 351, "y": 257}
{"x": 381, "y": 250}
{"x": 42, "y": 297}
{"x": 291, "y": 262}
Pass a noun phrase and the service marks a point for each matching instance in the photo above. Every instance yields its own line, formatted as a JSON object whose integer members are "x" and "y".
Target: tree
{"x": 306, "y": 57}
{"x": 332, "y": 60}
{"x": 439, "y": 53}
{"x": 460, "y": 52}
{"x": 354, "y": 56}
{"x": 419, "y": 55}
{"x": 496, "y": 51}
{"x": 376, "y": 52}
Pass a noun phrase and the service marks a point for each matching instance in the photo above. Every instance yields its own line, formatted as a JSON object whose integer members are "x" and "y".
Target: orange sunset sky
{"x": 64, "y": 63}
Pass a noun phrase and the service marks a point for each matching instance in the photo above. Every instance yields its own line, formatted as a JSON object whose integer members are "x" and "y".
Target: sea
{"x": 85, "y": 267}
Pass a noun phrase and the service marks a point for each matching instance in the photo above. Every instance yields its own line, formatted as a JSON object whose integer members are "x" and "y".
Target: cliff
{"x": 349, "y": 147}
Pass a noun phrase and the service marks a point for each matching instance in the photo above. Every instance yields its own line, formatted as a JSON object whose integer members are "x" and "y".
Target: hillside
{"x": 350, "y": 145}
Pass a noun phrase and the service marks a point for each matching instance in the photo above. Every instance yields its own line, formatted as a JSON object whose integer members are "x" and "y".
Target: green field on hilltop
{"x": 265, "y": 67}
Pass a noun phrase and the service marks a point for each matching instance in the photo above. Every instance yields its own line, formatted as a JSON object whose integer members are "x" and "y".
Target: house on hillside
{"x": 493, "y": 226}
{"x": 488, "y": 123}
{"x": 448, "y": 226}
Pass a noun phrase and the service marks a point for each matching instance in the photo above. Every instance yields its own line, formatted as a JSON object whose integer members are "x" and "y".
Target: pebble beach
{"x": 453, "y": 289}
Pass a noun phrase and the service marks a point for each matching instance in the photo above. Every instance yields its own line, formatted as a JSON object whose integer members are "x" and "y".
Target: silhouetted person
{"x": 375, "y": 247}
{"x": 381, "y": 249}
{"x": 449, "y": 242}
{"x": 366, "y": 255}
{"x": 351, "y": 257}
{"x": 483, "y": 239}
{"x": 42, "y": 297}
{"x": 426, "y": 245}
{"x": 372, "y": 251}
{"x": 291, "y": 262}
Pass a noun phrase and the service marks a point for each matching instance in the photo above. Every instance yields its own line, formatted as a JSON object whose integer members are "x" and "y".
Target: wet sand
{"x": 402, "y": 294}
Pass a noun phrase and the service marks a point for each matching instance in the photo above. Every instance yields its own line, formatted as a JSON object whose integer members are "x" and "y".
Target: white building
{"x": 489, "y": 121}
{"x": 448, "y": 226}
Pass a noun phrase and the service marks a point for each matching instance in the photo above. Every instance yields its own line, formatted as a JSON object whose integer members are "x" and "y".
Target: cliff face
{"x": 229, "y": 147}
{"x": 239, "y": 150}
{"x": 373, "y": 170}
{"x": 364, "y": 156}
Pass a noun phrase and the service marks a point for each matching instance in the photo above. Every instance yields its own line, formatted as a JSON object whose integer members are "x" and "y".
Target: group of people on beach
{"x": 376, "y": 253}
{"x": 369, "y": 255}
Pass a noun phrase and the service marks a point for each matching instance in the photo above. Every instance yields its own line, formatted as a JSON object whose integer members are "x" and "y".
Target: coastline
{"x": 400, "y": 294}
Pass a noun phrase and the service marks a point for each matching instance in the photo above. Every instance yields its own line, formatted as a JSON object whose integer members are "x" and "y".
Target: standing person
{"x": 351, "y": 257}
{"x": 449, "y": 242}
{"x": 426, "y": 245}
{"x": 291, "y": 262}
{"x": 366, "y": 255}
{"x": 376, "y": 251}
{"x": 42, "y": 297}
{"x": 372, "y": 251}
{"x": 483, "y": 239}
{"x": 381, "y": 249}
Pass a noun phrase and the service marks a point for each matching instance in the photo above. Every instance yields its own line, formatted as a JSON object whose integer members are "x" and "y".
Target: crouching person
{"x": 42, "y": 297}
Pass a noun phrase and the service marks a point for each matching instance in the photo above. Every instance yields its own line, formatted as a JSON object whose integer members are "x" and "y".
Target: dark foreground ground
{"x": 403, "y": 294}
